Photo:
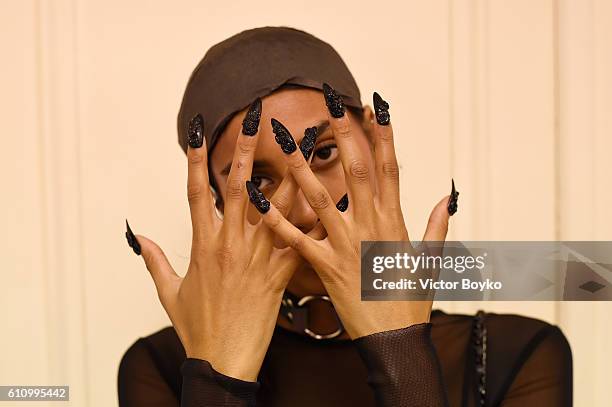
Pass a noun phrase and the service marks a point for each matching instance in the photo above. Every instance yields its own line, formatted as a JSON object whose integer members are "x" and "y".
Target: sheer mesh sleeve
{"x": 403, "y": 368}
{"x": 529, "y": 363}
{"x": 545, "y": 378}
{"x": 140, "y": 382}
{"x": 203, "y": 386}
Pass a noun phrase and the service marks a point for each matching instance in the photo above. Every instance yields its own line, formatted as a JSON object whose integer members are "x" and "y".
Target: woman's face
{"x": 297, "y": 109}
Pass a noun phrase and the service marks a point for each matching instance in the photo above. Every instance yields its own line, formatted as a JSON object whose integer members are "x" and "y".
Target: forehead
{"x": 297, "y": 109}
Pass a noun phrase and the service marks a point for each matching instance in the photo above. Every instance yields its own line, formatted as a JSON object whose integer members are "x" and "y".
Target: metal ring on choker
{"x": 337, "y": 332}
{"x": 295, "y": 310}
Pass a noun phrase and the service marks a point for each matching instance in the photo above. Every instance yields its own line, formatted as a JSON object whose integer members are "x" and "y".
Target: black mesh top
{"x": 528, "y": 363}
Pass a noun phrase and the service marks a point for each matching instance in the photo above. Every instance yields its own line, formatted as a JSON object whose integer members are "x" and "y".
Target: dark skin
{"x": 269, "y": 174}
{"x": 225, "y": 308}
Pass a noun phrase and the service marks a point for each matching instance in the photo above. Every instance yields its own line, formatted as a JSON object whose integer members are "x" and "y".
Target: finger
{"x": 306, "y": 246}
{"x": 282, "y": 199}
{"x": 310, "y": 249}
{"x": 435, "y": 233}
{"x": 288, "y": 259}
{"x": 387, "y": 168}
{"x": 354, "y": 161}
{"x": 437, "y": 226}
{"x": 198, "y": 186}
{"x": 284, "y": 196}
{"x": 235, "y": 202}
{"x": 318, "y": 232}
{"x": 316, "y": 194}
{"x": 165, "y": 278}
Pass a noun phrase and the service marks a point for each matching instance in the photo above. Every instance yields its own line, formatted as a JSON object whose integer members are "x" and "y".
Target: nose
{"x": 302, "y": 216}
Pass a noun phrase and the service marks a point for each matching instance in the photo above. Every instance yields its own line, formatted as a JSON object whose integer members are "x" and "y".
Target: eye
{"x": 261, "y": 181}
{"x": 324, "y": 155}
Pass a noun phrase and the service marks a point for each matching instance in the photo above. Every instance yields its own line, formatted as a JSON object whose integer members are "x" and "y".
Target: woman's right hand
{"x": 225, "y": 307}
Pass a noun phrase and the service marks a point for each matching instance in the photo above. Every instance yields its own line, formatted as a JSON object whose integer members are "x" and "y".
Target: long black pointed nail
{"x": 257, "y": 197}
{"x": 381, "y": 108}
{"x": 307, "y": 143}
{"x": 131, "y": 239}
{"x": 195, "y": 133}
{"x": 334, "y": 102}
{"x": 251, "y": 119}
{"x": 283, "y": 137}
{"x": 452, "y": 201}
{"x": 342, "y": 204}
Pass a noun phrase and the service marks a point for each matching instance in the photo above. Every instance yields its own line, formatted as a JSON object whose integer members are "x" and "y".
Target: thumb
{"x": 437, "y": 226}
{"x": 165, "y": 278}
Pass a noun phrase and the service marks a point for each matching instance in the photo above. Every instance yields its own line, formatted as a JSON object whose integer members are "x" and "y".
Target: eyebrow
{"x": 259, "y": 164}
{"x": 322, "y": 126}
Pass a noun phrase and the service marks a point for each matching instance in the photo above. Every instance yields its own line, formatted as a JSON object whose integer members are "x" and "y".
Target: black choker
{"x": 296, "y": 311}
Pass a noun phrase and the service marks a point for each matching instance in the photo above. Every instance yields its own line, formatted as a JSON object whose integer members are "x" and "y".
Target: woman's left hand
{"x": 369, "y": 216}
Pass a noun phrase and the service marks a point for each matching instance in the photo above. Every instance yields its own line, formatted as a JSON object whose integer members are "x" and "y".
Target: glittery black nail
{"x": 342, "y": 204}
{"x": 283, "y": 137}
{"x": 195, "y": 133}
{"x": 257, "y": 197}
{"x": 382, "y": 110}
{"x": 251, "y": 120}
{"x": 452, "y": 201}
{"x": 131, "y": 239}
{"x": 333, "y": 101}
{"x": 308, "y": 142}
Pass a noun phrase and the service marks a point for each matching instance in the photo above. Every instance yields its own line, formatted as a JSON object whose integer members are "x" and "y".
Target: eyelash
{"x": 322, "y": 146}
{"x": 317, "y": 149}
{"x": 263, "y": 177}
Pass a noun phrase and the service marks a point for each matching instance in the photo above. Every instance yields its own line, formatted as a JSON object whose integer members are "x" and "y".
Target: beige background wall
{"x": 511, "y": 98}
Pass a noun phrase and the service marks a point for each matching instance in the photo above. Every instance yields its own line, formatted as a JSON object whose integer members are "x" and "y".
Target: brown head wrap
{"x": 254, "y": 63}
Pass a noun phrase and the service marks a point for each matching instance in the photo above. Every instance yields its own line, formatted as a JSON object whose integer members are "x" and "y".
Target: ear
{"x": 368, "y": 123}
